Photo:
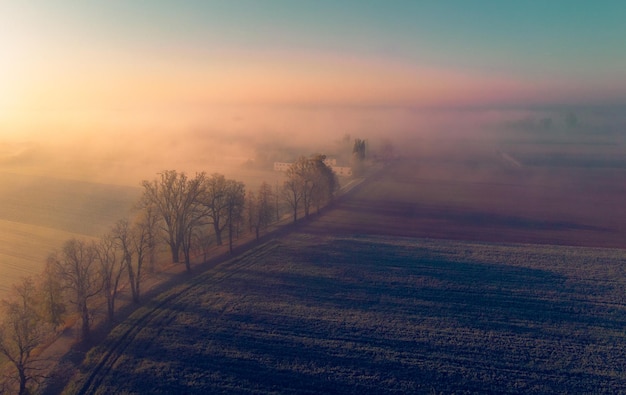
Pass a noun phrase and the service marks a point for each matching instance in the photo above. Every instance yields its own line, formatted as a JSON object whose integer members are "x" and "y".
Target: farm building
{"x": 281, "y": 166}
{"x": 332, "y": 163}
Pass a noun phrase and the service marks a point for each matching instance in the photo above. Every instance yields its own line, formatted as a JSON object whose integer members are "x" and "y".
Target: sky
{"x": 97, "y": 55}
{"x": 72, "y": 68}
{"x": 115, "y": 91}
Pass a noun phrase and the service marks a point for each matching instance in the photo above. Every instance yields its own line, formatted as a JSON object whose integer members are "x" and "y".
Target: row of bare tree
{"x": 310, "y": 183}
{"x": 179, "y": 211}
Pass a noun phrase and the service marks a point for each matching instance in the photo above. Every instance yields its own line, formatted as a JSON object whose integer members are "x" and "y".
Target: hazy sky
{"x": 115, "y": 91}
{"x": 121, "y": 55}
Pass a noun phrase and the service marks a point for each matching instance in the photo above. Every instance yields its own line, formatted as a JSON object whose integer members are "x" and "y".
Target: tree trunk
{"x": 23, "y": 379}
{"x": 85, "y": 321}
{"x": 230, "y": 238}
{"x": 218, "y": 234}
{"x": 187, "y": 259}
{"x": 134, "y": 289}
{"x": 136, "y": 293}
{"x": 111, "y": 307}
{"x": 175, "y": 248}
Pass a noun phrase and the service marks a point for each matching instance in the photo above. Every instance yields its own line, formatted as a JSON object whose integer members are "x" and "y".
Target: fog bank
{"x": 124, "y": 147}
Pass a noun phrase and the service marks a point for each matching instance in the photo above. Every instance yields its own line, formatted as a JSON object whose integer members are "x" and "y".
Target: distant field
{"x": 373, "y": 314}
{"x": 484, "y": 198}
{"x": 72, "y": 206}
{"x": 38, "y": 214}
{"x": 24, "y": 249}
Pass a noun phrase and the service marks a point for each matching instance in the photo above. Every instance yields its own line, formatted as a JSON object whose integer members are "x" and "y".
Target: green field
{"x": 374, "y": 314}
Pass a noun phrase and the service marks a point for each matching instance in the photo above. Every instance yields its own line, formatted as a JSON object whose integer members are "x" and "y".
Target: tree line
{"x": 185, "y": 213}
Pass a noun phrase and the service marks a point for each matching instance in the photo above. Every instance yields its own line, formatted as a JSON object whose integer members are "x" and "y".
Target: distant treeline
{"x": 188, "y": 214}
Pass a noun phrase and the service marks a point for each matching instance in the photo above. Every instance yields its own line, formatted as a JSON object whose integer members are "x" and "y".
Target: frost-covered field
{"x": 371, "y": 314}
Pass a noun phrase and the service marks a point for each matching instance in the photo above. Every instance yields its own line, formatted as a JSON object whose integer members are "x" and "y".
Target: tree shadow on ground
{"x": 354, "y": 316}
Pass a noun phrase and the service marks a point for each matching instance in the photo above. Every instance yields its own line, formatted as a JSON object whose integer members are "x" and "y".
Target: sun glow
{"x": 17, "y": 51}
{"x": 8, "y": 77}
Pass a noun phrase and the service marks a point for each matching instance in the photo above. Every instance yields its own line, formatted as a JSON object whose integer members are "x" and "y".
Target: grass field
{"x": 373, "y": 314}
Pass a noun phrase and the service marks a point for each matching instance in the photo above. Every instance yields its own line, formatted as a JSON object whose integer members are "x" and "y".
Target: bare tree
{"x": 358, "y": 150}
{"x": 252, "y": 212}
{"x": 293, "y": 190}
{"x": 265, "y": 198}
{"x": 51, "y": 300}
{"x": 358, "y": 157}
{"x": 303, "y": 171}
{"x": 175, "y": 198}
{"x": 77, "y": 268}
{"x": 309, "y": 181}
{"x": 277, "y": 200}
{"x": 148, "y": 219}
{"x": 260, "y": 208}
{"x": 143, "y": 242}
{"x": 136, "y": 242}
{"x": 22, "y": 330}
{"x": 202, "y": 242}
{"x": 123, "y": 236}
{"x": 111, "y": 270}
{"x": 196, "y": 222}
{"x": 324, "y": 182}
{"x": 235, "y": 201}
{"x": 215, "y": 200}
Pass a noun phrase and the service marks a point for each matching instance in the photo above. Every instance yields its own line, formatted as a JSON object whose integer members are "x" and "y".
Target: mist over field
{"x": 468, "y": 234}
{"x": 81, "y": 172}
{"x": 124, "y": 148}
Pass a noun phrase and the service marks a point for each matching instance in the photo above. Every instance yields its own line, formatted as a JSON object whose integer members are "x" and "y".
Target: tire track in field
{"x": 106, "y": 363}
{"x": 214, "y": 276}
